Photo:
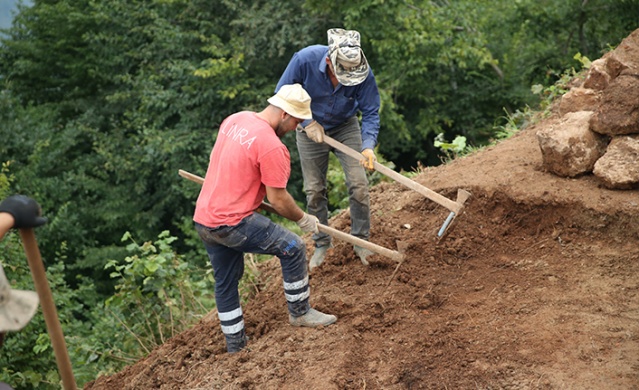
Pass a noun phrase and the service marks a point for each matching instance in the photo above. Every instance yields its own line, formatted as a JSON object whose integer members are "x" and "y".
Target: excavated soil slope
{"x": 536, "y": 287}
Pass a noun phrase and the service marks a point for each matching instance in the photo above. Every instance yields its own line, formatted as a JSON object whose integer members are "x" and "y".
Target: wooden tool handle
{"x": 363, "y": 243}
{"x": 347, "y": 237}
{"x": 427, "y": 192}
{"x": 322, "y": 228}
{"x": 191, "y": 176}
{"x": 48, "y": 308}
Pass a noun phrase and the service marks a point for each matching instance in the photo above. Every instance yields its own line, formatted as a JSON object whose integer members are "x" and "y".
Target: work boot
{"x": 312, "y": 319}
{"x": 236, "y": 342}
{"x": 363, "y": 253}
{"x": 318, "y": 256}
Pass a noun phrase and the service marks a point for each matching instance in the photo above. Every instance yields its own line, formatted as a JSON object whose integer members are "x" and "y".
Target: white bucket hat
{"x": 17, "y": 307}
{"x": 294, "y": 100}
{"x": 347, "y": 57}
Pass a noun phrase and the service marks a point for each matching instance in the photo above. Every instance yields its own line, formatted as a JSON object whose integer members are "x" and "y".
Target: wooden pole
{"x": 48, "y": 308}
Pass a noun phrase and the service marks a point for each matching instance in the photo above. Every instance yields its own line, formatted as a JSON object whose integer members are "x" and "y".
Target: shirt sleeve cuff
{"x": 369, "y": 144}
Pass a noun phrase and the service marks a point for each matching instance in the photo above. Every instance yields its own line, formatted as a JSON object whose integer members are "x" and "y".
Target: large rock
{"x": 619, "y": 167}
{"x": 618, "y": 111}
{"x": 569, "y": 148}
{"x": 597, "y": 77}
{"x": 579, "y": 99}
{"x": 625, "y": 56}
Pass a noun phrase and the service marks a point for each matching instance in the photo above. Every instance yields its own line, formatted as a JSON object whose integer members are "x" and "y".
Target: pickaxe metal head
{"x": 462, "y": 197}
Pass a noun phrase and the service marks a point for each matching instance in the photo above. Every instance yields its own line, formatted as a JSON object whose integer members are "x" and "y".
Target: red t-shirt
{"x": 246, "y": 157}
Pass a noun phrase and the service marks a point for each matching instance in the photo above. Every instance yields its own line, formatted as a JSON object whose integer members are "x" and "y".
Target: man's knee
{"x": 359, "y": 193}
{"x": 295, "y": 247}
{"x": 315, "y": 196}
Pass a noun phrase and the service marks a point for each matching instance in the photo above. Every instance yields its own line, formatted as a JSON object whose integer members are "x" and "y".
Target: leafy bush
{"x": 27, "y": 360}
{"x": 158, "y": 295}
{"x": 452, "y": 149}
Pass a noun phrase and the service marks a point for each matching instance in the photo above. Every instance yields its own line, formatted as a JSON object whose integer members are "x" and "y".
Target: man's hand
{"x": 25, "y": 211}
{"x": 315, "y": 131}
{"x": 308, "y": 223}
{"x": 369, "y": 159}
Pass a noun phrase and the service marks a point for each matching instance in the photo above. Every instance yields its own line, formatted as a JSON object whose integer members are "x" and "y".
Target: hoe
{"x": 397, "y": 256}
{"x": 455, "y": 208}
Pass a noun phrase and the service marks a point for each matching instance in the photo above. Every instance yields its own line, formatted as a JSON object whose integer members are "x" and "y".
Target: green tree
{"x": 136, "y": 94}
{"x": 431, "y": 64}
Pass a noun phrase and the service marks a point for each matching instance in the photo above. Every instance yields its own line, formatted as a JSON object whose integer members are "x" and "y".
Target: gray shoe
{"x": 312, "y": 319}
{"x": 318, "y": 256}
{"x": 363, "y": 253}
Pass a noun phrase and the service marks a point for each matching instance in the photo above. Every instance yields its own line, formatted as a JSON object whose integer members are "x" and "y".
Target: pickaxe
{"x": 397, "y": 256}
{"x": 455, "y": 207}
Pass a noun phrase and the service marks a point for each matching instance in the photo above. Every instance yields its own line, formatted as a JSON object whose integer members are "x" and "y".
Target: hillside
{"x": 536, "y": 287}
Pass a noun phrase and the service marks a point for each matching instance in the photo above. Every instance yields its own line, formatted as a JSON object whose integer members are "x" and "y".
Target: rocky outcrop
{"x": 618, "y": 111}
{"x": 570, "y": 148}
{"x": 599, "y": 127}
{"x": 597, "y": 78}
{"x": 579, "y": 99}
{"x": 625, "y": 56}
{"x": 618, "y": 168}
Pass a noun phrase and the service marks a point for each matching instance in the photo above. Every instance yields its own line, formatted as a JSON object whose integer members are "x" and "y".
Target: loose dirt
{"x": 536, "y": 287}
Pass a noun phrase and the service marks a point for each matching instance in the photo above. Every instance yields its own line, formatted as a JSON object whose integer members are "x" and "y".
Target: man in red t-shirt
{"x": 248, "y": 162}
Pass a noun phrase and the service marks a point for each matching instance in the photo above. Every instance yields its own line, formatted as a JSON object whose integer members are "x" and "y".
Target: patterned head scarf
{"x": 347, "y": 57}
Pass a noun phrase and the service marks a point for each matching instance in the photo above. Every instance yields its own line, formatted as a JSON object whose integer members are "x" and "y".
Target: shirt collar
{"x": 322, "y": 64}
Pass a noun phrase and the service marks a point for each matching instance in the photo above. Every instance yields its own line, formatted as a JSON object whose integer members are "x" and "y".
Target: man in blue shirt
{"x": 341, "y": 85}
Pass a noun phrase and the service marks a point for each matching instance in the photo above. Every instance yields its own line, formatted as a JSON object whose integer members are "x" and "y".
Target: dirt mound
{"x": 535, "y": 288}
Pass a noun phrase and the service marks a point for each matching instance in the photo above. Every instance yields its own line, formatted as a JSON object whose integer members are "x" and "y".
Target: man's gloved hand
{"x": 315, "y": 131}
{"x": 308, "y": 223}
{"x": 25, "y": 211}
{"x": 369, "y": 159}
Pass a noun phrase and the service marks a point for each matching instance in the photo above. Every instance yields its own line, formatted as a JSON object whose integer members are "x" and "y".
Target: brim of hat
{"x": 297, "y": 112}
{"x": 18, "y": 310}
{"x": 351, "y": 76}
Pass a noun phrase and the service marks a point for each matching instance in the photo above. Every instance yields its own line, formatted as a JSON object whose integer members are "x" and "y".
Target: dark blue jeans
{"x": 314, "y": 161}
{"x": 226, "y": 246}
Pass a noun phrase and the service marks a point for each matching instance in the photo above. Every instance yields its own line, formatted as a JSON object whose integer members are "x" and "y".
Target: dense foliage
{"x": 103, "y": 101}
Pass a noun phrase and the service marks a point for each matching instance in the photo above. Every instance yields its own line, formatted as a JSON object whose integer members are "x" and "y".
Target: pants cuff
{"x": 300, "y": 308}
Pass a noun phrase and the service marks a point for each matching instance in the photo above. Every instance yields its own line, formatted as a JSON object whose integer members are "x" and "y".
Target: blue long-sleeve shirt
{"x": 333, "y": 106}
